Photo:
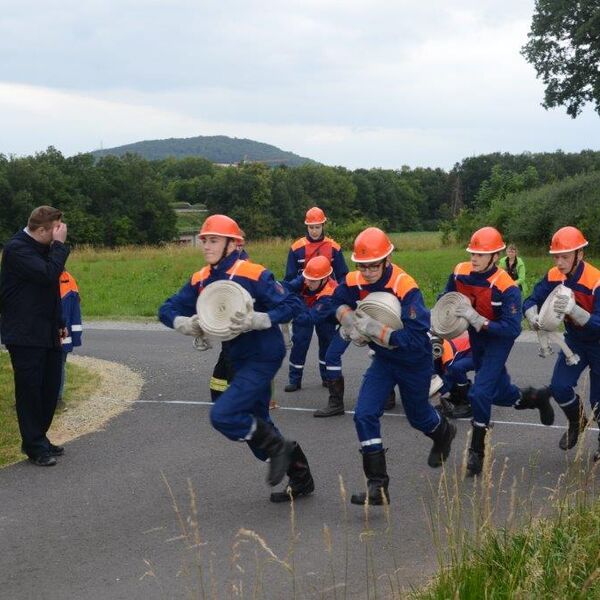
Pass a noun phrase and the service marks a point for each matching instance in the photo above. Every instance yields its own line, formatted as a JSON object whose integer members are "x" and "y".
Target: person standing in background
{"x": 515, "y": 267}
{"x": 71, "y": 312}
{"x": 31, "y": 326}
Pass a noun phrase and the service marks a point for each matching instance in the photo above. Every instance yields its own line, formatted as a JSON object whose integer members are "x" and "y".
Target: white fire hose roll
{"x": 444, "y": 321}
{"x": 217, "y": 303}
{"x": 385, "y": 308}
{"x": 549, "y": 321}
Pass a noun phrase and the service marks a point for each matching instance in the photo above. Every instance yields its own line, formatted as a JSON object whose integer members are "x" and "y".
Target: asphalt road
{"x": 103, "y": 524}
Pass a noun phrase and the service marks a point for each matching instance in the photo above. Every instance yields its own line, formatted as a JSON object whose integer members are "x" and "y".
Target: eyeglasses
{"x": 369, "y": 267}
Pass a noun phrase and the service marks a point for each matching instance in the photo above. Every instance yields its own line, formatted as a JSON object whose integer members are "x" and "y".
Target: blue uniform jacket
{"x": 71, "y": 311}
{"x": 303, "y": 249}
{"x": 493, "y": 295}
{"x": 585, "y": 283}
{"x": 318, "y": 308}
{"x": 412, "y": 342}
{"x": 30, "y": 306}
{"x": 269, "y": 296}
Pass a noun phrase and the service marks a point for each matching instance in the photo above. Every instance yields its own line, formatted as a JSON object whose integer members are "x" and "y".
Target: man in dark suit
{"x": 31, "y": 325}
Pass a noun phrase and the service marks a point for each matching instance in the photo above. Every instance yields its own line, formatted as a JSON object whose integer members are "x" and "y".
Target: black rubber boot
{"x": 292, "y": 387}
{"x": 537, "y": 398}
{"x": 278, "y": 449}
{"x": 335, "y": 404}
{"x": 476, "y": 451}
{"x": 301, "y": 482}
{"x": 390, "y": 401}
{"x": 442, "y": 437}
{"x": 459, "y": 396}
{"x": 577, "y": 422}
{"x": 377, "y": 480}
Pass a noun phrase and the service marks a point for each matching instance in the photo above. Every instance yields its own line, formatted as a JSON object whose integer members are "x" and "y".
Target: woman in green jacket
{"x": 515, "y": 267}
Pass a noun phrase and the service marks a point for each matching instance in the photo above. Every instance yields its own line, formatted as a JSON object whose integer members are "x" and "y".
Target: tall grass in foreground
{"x": 132, "y": 282}
{"x": 491, "y": 542}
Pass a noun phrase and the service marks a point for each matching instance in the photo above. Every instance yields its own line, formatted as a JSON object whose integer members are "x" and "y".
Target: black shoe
{"x": 324, "y": 383}
{"x": 301, "y": 482}
{"x": 278, "y": 449}
{"x": 335, "y": 404}
{"x": 56, "y": 450}
{"x": 540, "y": 399}
{"x": 43, "y": 460}
{"x": 442, "y": 438}
{"x": 292, "y": 387}
{"x": 377, "y": 480}
{"x": 577, "y": 422}
{"x": 476, "y": 451}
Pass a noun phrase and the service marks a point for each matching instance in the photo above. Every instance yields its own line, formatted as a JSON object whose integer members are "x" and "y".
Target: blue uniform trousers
{"x": 301, "y": 338}
{"x": 564, "y": 377}
{"x": 37, "y": 374}
{"x": 378, "y": 381}
{"x": 245, "y": 400}
{"x": 333, "y": 356}
{"x": 456, "y": 372}
{"x": 492, "y": 384}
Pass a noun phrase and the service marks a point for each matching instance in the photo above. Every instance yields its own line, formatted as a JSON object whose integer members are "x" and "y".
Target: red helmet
{"x": 314, "y": 216}
{"x": 486, "y": 240}
{"x": 567, "y": 239}
{"x": 371, "y": 245}
{"x": 221, "y": 225}
{"x": 318, "y": 267}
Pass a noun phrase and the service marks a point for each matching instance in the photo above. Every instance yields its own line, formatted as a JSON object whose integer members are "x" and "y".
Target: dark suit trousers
{"x": 37, "y": 383}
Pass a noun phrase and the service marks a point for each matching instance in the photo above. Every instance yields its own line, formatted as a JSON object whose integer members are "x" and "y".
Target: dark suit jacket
{"x": 30, "y": 308}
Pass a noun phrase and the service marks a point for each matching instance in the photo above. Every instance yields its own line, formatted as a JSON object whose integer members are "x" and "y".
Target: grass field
{"x": 133, "y": 282}
{"x": 79, "y": 383}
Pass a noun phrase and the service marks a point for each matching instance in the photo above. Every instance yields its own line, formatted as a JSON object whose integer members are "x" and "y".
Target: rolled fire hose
{"x": 218, "y": 302}
{"x": 549, "y": 321}
{"x": 385, "y": 308}
{"x": 444, "y": 321}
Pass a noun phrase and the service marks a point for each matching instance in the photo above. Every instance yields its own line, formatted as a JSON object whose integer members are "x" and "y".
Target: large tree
{"x": 564, "y": 48}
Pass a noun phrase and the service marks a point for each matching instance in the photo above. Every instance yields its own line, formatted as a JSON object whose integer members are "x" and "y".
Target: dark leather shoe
{"x": 56, "y": 450}
{"x": 43, "y": 460}
{"x": 292, "y": 387}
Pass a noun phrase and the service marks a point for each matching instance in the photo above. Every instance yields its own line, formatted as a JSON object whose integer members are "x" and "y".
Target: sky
{"x": 362, "y": 84}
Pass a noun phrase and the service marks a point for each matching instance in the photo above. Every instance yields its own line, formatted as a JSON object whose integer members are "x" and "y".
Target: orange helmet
{"x": 314, "y": 216}
{"x": 371, "y": 245}
{"x": 318, "y": 267}
{"x": 486, "y": 240}
{"x": 567, "y": 239}
{"x": 221, "y": 225}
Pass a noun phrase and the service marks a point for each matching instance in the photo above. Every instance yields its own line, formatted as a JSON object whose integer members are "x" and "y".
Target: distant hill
{"x": 217, "y": 148}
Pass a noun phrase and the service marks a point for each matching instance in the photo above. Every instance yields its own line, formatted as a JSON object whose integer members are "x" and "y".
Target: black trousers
{"x": 37, "y": 383}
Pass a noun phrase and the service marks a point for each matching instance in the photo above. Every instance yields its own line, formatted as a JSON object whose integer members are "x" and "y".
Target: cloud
{"x": 354, "y": 83}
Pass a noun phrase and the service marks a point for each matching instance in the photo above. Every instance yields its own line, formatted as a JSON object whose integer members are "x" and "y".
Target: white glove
{"x": 471, "y": 315}
{"x": 240, "y": 322}
{"x": 348, "y": 332}
{"x": 372, "y": 328}
{"x": 579, "y": 315}
{"x": 188, "y": 325}
{"x": 202, "y": 343}
{"x": 561, "y": 304}
{"x": 532, "y": 316}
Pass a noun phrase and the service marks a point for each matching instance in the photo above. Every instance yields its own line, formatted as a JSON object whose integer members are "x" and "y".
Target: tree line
{"x": 113, "y": 201}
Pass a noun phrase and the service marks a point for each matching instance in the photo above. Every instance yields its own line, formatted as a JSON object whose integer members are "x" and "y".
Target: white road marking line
{"x": 351, "y": 412}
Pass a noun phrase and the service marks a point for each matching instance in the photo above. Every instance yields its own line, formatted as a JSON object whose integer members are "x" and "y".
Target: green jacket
{"x": 521, "y": 273}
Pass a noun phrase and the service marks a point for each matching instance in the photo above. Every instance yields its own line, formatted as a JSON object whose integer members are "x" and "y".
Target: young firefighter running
{"x": 582, "y": 325}
{"x": 242, "y": 412}
{"x": 406, "y": 361}
{"x": 494, "y": 323}
{"x": 315, "y": 288}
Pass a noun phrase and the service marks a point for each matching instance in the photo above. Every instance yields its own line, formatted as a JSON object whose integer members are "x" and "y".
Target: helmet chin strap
{"x": 574, "y": 264}
{"x": 490, "y": 263}
{"x": 225, "y": 254}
